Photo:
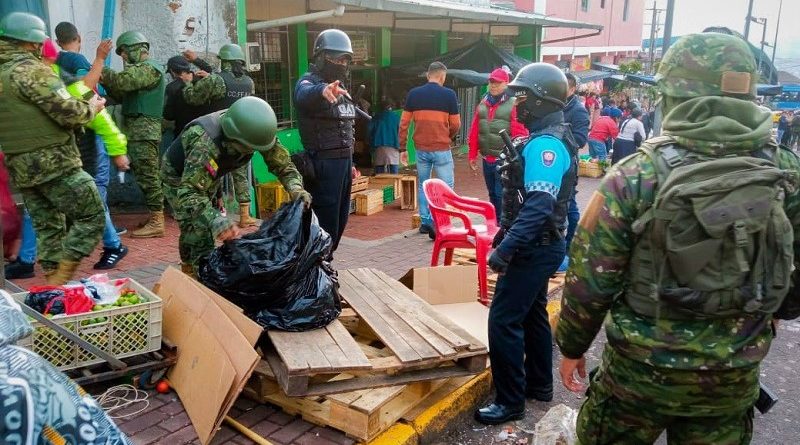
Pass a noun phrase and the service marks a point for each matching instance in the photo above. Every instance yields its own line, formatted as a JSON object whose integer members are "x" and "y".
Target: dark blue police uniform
{"x": 326, "y": 131}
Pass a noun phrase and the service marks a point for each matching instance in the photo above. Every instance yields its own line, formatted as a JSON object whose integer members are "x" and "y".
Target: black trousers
{"x": 520, "y": 341}
{"x": 331, "y": 194}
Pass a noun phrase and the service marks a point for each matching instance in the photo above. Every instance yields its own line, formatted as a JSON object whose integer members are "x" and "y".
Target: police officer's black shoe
{"x": 495, "y": 414}
{"x": 424, "y": 228}
{"x": 19, "y": 270}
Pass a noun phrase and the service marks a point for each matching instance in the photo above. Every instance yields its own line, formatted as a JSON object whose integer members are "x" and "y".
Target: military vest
{"x": 149, "y": 102}
{"x": 226, "y": 161}
{"x": 716, "y": 242}
{"x": 489, "y": 141}
{"x": 329, "y": 127}
{"x": 24, "y": 127}
{"x": 235, "y": 89}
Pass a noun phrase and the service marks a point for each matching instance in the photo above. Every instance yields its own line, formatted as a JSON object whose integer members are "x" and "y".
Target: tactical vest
{"x": 489, "y": 141}
{"x": 235, "y": 89}
{"x": 149, "y": 102}
{"x": 24, "y": 127}
{"x": 183, "y": 112}
{"x": 514, "y": 191}
{"x": 226, "y": 162}
{"x": 716, "y": 242}
{"x": 329, "y": 126}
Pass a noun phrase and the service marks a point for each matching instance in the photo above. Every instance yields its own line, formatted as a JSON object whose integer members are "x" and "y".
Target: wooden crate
{"x": 359, "y": 184}
{"x": 369, "y": 202}
{"x": 270, "y": 196}
{"x": 362, "y": 414}
{"x": 408, "y": 192}
{"x": 406, "y": 341}
{"x": 467, "y": 257}
{"x": 590, "y": 170}
{"x": 389, "y": 179}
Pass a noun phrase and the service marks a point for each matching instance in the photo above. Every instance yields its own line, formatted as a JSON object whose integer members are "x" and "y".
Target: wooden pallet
{"x": 389, "y": 179}
{"x": 467, "y": 257}
{"x": 362, "y": 414}
{"x": 415, "y": 342}
{"x": 360, "y": 183}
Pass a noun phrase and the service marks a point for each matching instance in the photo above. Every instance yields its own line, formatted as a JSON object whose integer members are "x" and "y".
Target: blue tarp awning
{"x": 591, "y": 75}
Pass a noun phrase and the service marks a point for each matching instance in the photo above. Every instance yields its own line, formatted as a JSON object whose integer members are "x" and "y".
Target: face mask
{"x": 331, "y": 72}
{"x": 135, "y": 53}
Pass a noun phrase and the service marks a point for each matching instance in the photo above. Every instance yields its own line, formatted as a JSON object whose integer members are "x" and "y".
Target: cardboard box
{"x": 452, "y": 291}
{"x": 216, "y": 349}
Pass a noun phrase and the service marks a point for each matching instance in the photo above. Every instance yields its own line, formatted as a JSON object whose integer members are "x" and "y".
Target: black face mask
{"x": 332, "y": 72}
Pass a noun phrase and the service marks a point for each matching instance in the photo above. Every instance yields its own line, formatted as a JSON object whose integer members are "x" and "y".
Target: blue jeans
{"x": 101, "y": 178}
{"x": 520, "y": 340}
{"x": 440, "y": 162}
{"x": 494, "y": 186}
{"x": 393, "y": 169}
{"x": 27, "y": 248}
{"x": 597, "y": 149}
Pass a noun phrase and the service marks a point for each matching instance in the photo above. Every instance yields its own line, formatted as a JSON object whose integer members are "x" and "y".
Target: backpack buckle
{"x": 671, "y": 156}
{"x": 740, "y": 234}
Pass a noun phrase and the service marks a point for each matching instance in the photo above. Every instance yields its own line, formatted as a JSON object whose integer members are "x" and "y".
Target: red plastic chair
{"x": 444, "y": 205}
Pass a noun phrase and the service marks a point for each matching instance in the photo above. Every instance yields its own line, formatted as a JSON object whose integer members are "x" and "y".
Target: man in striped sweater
{"x": 434, "y": 111}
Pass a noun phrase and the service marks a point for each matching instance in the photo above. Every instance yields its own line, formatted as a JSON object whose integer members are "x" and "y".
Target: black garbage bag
{"x": 39, "y": 300}
{"x": 279, "y": 275}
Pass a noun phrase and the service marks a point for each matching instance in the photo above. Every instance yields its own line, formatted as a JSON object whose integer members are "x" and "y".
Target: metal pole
{"x": 652, "y": 39}
{"x": 763, "y": 38}
{"x": 747, "y": 20}
{"x": 777, "y": 27}
{"x": 668, "y": 27}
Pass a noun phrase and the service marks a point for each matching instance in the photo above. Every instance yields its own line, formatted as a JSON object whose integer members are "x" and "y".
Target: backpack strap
{"x": 665, "y": 156}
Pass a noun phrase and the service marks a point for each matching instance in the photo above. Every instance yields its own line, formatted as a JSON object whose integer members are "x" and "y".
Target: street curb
{"x": 433, "y": 421}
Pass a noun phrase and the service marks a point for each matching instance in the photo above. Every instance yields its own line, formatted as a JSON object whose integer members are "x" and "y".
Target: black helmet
{"x": 543, "y": 85}
{"x": 335, "y": 42}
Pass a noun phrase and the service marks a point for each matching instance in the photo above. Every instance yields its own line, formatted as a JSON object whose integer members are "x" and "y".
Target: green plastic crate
{"x": 388, "y": 194}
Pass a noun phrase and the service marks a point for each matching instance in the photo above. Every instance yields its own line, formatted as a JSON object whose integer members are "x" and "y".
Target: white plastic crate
{"x": 126, "y": 331}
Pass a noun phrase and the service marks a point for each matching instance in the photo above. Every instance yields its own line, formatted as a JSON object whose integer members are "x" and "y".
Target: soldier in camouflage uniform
{"x": 219, "y": 91}
{"x": 691, "y": 369}
{"x": 207, "y": 149}
{"x": 140, "y": 87}
{"x": 38, "y": 118}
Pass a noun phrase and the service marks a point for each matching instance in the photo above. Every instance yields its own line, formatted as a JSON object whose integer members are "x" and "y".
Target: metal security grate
{"x": 273, "y": 81}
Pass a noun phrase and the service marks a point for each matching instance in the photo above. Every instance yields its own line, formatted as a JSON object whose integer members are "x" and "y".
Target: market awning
{"x": 467, "y": 13}
{"x": 611, "y": 68}
{"x": 590, "y": 75}
{"x": 762, "y": 89}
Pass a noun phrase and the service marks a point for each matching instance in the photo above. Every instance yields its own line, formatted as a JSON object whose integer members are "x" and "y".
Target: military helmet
{"x": 334, "y": 41}
{"x": 708, "y": 64}
{"x": 251, "y": 121}
{"x": 230, "y": 51}
{"x": 546, "y": 83}
{"x": 24, "y": 27}
{"x": 130, "y": 38}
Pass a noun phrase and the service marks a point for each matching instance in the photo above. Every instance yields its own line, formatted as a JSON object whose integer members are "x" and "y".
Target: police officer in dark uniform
{"x": 326, "y": 122}
{"x": 538, "y": 179}
{"x": 175, "y": 107}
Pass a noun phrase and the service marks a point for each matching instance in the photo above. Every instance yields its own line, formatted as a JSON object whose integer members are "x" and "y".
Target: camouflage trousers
{"x": 195, "y": 240}
{"x": 70, "y": 199}
{"x": 145, "y": 164}
{"x": 613, "y": 414}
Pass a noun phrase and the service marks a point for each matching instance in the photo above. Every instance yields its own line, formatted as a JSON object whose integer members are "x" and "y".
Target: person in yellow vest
{"x": 496, "y": 111}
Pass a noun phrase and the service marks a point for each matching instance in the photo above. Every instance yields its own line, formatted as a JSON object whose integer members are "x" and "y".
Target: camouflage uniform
{"x": 143, "y": 132}
{"x": 696, "y": 378}
{"x": 50, "y": 178}
{"x": 208, "y": 90}
{"x": 190, "y": 193}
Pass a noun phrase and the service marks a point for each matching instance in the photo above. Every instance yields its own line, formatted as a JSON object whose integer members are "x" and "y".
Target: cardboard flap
{"x": 443, "y": 284}
{"x": 215, "y": 349}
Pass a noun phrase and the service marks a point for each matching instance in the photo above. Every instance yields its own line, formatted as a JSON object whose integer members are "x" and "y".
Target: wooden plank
{"x": 301, "y": 347}
{"x": 348, "y": 346}
{"x": 291, "y": 385}
{"x": 380, "y": 381}
{"x": 411, "y": 316}
{"x": 389, "y": 327}
{"x": 431, "y": 330}
{"x": 423, "y": 306}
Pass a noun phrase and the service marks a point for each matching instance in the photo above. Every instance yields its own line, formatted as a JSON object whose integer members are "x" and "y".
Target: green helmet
{"x": 130, "y": 38}
{"x": 251, "y": 121}
{"x": 23, "y": 26}
{"x": 230, "y": 51}
{"x": 708, "y": 64}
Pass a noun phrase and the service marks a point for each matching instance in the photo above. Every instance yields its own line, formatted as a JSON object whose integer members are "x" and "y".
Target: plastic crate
{"x": 270, "y": 196}
{"x": 388, "y": 194}
{"x": 127, "y": 331}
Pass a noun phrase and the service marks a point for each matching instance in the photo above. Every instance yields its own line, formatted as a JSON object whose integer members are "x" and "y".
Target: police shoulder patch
{"x": 548, "y": 158}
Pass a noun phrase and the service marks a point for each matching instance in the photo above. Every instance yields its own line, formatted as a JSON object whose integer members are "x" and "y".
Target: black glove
{"x": 498, "y": 238}
{"x": 498, "y": 263}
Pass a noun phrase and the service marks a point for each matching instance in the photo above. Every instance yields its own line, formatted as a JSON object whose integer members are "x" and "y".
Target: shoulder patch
{"x": 212, "y": 168}
{"x": 548, "y": 158}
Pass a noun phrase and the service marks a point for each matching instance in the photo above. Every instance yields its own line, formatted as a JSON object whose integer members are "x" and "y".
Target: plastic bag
{"x": 280, "y": 274}
{"x": 56, "y": 300}
{"x": 557, "y": 427}
{"x": 102, "y": 289}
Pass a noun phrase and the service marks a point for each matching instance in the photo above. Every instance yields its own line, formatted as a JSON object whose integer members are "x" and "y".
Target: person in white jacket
{"x": 631, "y": 135}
